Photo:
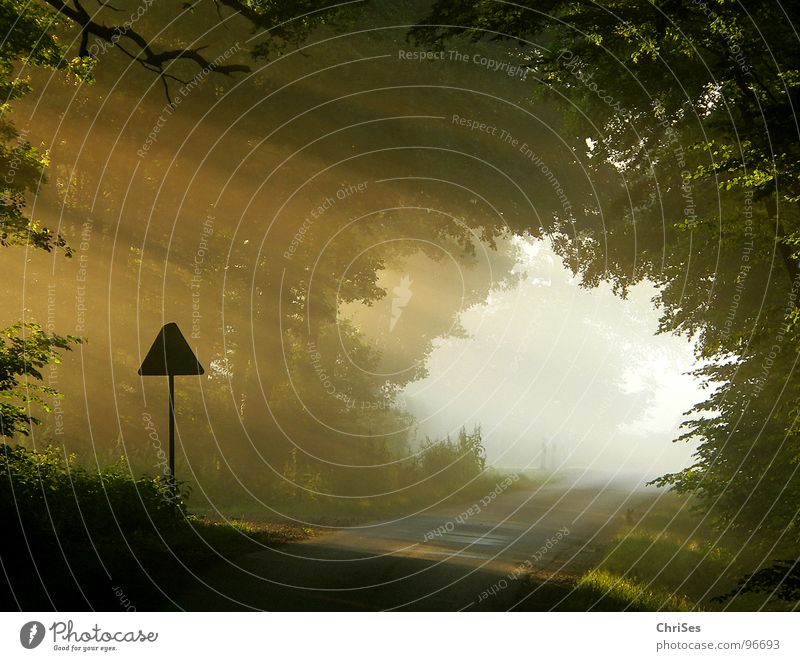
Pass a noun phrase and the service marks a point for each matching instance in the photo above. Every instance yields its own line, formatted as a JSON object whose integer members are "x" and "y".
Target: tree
{"x": 283, "y": 24}
{"x": 29, "y": 40}
{"x": 684, "y": 113}
{"x": 69, "y": 37}
{"x": 25, "y": 347}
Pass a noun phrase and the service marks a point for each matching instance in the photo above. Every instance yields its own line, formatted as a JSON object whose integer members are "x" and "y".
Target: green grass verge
{"x": 331, "y": 511}
{"x": 669, "y": 559}
{"x": 601, "y": 590}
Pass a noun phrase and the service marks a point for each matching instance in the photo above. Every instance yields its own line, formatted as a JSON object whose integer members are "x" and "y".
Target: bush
{"x": 453, "y": 464}
{"x": 72, "y": 536}
{"x": 44, "y": 493}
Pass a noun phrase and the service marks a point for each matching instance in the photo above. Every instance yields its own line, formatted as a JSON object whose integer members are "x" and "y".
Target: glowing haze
{"x": 557, "y": 375}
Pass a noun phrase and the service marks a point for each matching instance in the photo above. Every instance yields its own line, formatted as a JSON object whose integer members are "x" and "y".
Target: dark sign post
{"x": 171, "y": 356}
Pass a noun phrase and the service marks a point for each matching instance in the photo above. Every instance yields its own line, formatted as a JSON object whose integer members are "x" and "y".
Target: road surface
{"x": 444, "y": 560}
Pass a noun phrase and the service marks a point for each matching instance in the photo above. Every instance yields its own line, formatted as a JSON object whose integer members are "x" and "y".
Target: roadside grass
{"x": 666, "y": 559}
{"x": 337, "y": 511}
{"x": 601, "y": 590}
{"x": 689, "y": 567}
{"x": 203, "y": 538}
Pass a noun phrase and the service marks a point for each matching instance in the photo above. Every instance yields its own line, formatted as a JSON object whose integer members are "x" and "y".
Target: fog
{"x": 558, "y": 376}
{"x": 331, "y": 208}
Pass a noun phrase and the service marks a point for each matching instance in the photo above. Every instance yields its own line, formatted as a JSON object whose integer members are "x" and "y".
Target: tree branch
{"x": 158, "y": 62}
{"x": 785, "y": 250}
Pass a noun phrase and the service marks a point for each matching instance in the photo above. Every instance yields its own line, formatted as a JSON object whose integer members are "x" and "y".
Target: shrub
{"x": 46, "y": 492}
{"x": 454, "y": 463}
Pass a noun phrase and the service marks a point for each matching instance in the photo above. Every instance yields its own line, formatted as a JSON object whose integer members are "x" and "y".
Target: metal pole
{"x": 173, "y": 484}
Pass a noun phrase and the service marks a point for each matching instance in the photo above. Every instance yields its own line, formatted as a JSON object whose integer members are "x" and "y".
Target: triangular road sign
{"x": 170, "y": 355}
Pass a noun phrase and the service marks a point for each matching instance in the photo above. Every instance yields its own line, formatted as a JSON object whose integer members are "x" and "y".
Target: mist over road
{"x": 458, "y": 557}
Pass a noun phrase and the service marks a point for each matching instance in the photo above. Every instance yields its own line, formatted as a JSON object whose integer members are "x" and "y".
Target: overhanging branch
{"x": 153, "y": 60}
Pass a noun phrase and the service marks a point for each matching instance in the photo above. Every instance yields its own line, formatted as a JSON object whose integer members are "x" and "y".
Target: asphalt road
{"x": 447, "y": 560}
